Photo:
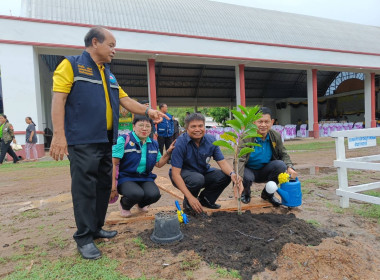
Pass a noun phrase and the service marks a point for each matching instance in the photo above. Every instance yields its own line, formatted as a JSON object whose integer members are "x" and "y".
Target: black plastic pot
{"x": 166, "y": 228}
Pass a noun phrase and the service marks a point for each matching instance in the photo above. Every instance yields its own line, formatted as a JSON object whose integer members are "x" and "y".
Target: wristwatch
{"x": 232, "y": 172}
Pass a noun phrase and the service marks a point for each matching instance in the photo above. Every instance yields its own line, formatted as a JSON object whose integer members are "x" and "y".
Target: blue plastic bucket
{"x": 290, "y": 193}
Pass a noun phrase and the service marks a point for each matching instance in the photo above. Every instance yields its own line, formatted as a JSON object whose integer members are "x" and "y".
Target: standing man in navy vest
{"x": 85, "y": 115}
{"x": 165, "y": 130}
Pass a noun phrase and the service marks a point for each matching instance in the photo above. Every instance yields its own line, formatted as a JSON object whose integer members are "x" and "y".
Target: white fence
{"x": 364, "y": 163}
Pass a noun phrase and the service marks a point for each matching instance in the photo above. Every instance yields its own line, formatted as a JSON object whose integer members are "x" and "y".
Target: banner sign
{"x": 361, "y": 142}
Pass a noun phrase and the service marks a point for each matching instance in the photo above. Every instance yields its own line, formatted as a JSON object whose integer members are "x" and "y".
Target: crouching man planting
{"x": 267, "y": 161}
{"x": 191, "y": 171}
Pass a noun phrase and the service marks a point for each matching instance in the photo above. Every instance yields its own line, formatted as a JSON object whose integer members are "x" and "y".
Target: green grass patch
{"x": 189, "y": 274}
{"x": 31, "y": 214}
{"x": 370, "y": 210}
{"x": 190, "y": 264}
{"x": 331, "y": 177}
{"x": 234, "y": 274}
{"x": 306, "y": 191}
{"x": 323, "y": 184}
{"x": 314, "y": 223}
{"x": 28, "y": 215}
{"x": 37, "y": 164}
{"x": 335, "y": 208}
{"x": 139, "y": 242}
{"x": 74, "y": 269}
{"x": 310, "y": 181}
{"x": 58, "y": 242}
{"x": 15, "y": 258}
{"x": 373, "y": 193}
{"x": 312, "y": 146}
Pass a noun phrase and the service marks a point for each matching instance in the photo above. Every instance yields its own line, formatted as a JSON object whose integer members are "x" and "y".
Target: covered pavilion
{"x": 187, "y": 53}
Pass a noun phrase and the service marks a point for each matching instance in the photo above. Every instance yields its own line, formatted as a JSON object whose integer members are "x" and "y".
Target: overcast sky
{"x": 357, "y": 11}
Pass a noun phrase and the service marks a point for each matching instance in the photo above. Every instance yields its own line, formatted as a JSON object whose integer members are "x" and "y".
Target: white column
{"x": 367, "y": 100}
{"x": 21, "y": 87}
{"x": 310, "y": 112}
{"x": 237, "y": 82}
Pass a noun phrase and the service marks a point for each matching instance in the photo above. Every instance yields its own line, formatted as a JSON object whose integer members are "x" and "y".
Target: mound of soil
{"x": 248, "y": 243}
{"x": 334, "y": 258}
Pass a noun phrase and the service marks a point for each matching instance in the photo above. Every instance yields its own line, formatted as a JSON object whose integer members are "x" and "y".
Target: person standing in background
{"x": 7, "y": 136}
{"x": 165, "y": 129}
{"x": 30, "y": 139}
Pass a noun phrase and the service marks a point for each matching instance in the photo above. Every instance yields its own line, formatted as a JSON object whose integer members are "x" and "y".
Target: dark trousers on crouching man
{"x": 269, "y": 172}
{"x": 91, "y": 183}
{"x": 213, "y": 183}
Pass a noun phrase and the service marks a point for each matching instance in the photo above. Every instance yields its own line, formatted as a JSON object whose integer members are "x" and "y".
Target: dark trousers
{"x": 213, "y": 183}
{"x": 6, "y": 148}
{"x": 164, "y": 141}
{"x": 91, "y": 183}
{"x": 269, "y": 172}
{"x": 141, "y": 193}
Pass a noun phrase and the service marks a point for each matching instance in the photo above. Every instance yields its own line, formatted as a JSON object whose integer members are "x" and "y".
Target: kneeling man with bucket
{"x": 266, "y": 162}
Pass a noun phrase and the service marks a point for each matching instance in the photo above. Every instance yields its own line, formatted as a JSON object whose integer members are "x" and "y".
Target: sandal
{"x": 124, "y": 213}
{"x": 144, "y": 209}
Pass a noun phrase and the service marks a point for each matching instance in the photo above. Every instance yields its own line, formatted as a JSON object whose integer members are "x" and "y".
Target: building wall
{"x": 284, "y": 115}
{"x": 21, "y": 88}
{"x": 299, "y": 112}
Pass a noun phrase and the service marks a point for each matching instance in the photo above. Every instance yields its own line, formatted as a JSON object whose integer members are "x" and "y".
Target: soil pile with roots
{"x": 248, "y": 243}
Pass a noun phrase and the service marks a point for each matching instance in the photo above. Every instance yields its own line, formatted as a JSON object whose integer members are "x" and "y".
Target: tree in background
{"x": 180, "y": 113}
{"x": 219, "y": 114}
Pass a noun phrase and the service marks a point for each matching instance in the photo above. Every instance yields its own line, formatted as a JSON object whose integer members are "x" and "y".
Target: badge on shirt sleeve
{"x": 274, "y": 145}
{"x": 112, "y": 79}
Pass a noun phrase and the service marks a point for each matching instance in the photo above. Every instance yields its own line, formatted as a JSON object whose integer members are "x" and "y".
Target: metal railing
{"x": 364, "y": 163}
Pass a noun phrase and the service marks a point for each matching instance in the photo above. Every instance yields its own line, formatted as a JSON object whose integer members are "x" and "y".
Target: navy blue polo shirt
{"x": 262, "y": 155}
{"x": 187, "y": 155}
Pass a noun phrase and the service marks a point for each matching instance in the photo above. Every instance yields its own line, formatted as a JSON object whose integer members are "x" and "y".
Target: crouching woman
{"x": 136, "y": 154}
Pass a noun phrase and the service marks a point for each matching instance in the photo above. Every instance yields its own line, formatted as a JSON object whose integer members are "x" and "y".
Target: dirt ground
{"x": 317, "y": 240}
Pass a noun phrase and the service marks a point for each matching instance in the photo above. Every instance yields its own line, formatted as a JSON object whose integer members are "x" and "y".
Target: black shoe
{"x": 187, "y": 209}
{"x": 204, "y": 201}
{"x": 105, "y": 234}
{"x": 186, "y": 205}
{"x": 245, "y": 198}
{"x": 89, "y": 251}
{"x": 271, "y": 198}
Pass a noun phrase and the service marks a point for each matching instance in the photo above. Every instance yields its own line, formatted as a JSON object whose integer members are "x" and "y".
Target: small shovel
{"x": 182, "y": 217}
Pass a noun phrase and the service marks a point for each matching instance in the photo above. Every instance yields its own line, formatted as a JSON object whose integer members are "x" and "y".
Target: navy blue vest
{"x": 131, "y": 159}
{"x": 166, "y": 127}
{"x": 85, "y": 110}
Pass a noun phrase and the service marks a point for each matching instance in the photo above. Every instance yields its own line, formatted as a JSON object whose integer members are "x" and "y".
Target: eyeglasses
{"x": 141, "y": 126}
